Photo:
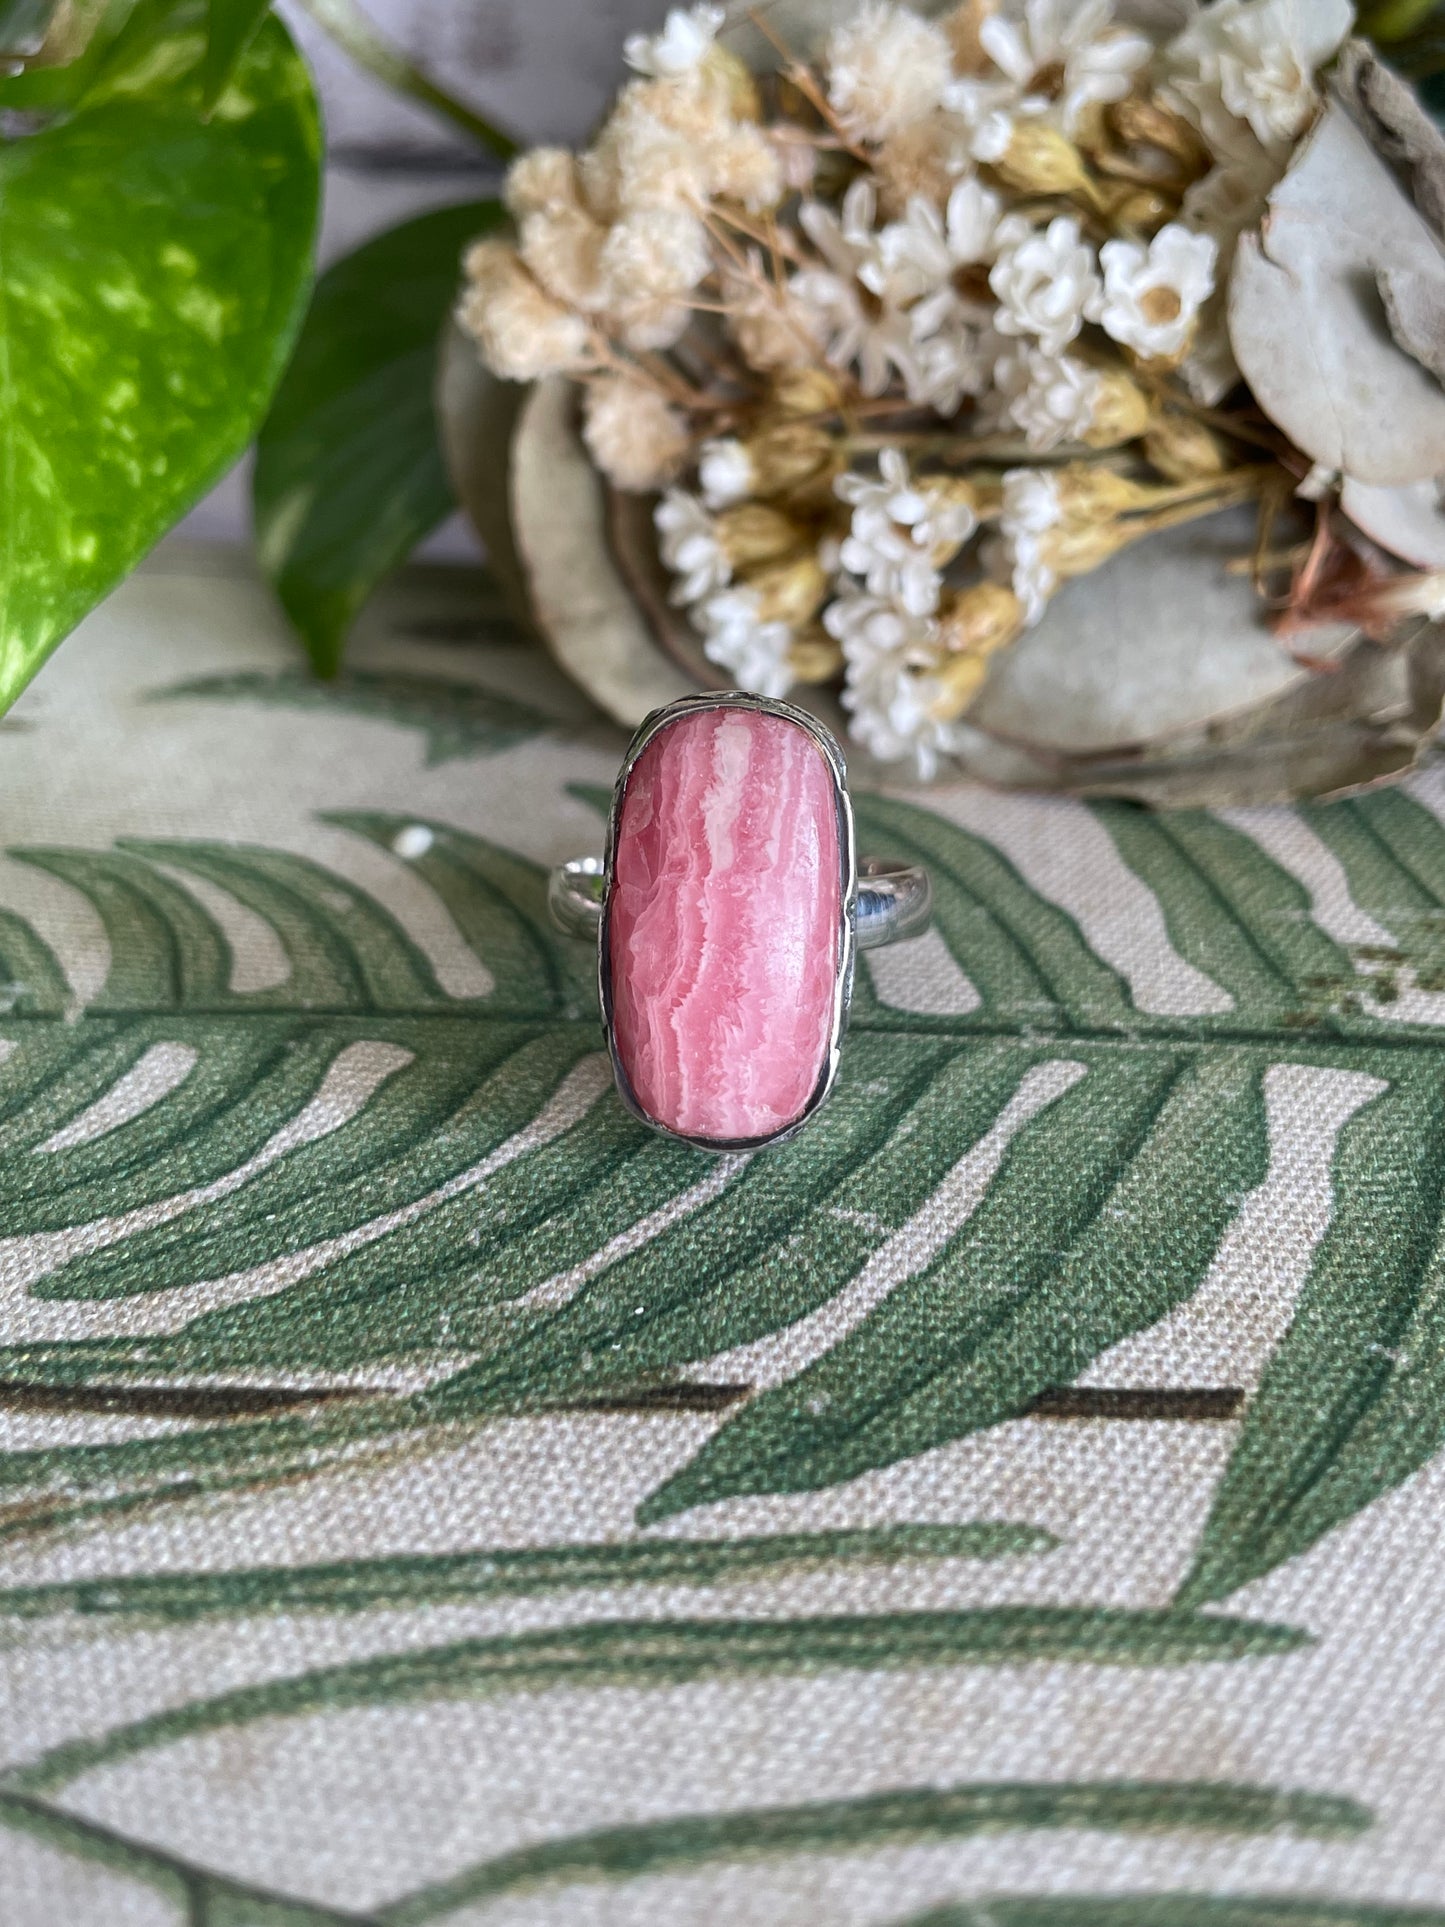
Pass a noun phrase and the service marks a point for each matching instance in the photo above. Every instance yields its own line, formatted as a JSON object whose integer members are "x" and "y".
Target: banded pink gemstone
{"x": 723, "y": 923}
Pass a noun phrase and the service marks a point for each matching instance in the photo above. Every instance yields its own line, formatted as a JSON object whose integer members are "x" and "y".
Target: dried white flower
{"x": 1031, "y": 508}
{"x": 754, "y": 652}
{"x": 886, "y": 68}
{"x": 770, "y": 327}
{"x": 639, "y": 160}
{"x": 893, "y": 710}
{"x": 1152, "y": 295}
{"x": 523, "y": 333}
{"x": 689, "y": 546}
{"x": 870, "y": 627}
{"x": 1067, "y": 51}
{"x": 684, "y": 43}
{"x": 542, "y": 179}
{"x": 563, "y": 248}
{"x": 744, "y": 165}
{"x": 1045, "y": 280}
{"x": 986, "y": 109}
{"x": 1256, "y": 60}
{"x": 1052, "y": 398}
{"x": 1051, "y": 58}
{"x": 900, "y": 533}
{"x": 725, "y": 473}
{"x": 873, "y": 333}
{"x": 920, "y": 254}
{"x": 654, "y": 253}
{"x": 634, "y": 436}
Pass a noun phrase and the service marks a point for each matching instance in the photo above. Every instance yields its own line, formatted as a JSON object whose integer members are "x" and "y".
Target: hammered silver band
{"x": 895, "y": 900}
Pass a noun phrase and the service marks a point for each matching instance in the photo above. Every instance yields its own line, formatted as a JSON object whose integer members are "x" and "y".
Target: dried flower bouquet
{"x": 906, "y": 339}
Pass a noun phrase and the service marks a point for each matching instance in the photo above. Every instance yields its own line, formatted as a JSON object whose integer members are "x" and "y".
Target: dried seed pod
{"x": 981, "y": 620}
{"x": 753, "y": 533}
{"x": 1041, "y": 160}
{"x": 1141, "y": 122}
{"x": 806, "y": 391}
{"x": 1122, "y": 410}
{"x": 1183, "y": 449}
{"x": 814, "y": 657}
{"x": 790, "y": 591}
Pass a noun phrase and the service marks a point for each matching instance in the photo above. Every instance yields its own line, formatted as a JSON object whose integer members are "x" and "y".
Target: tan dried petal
{"x": 634, "y": 436}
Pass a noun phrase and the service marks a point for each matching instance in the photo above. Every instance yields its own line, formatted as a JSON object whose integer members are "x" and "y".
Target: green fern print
{"x": 351, "y": 1212}
{"x": 451, "y": 1179}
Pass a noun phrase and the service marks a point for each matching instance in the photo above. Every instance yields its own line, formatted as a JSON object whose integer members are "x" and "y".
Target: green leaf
{"x": 904, "y": 1816}
{"x": 156, "y": 265}
{"x": 231, "y": 26}
{"x": 483, "y": 1199}
{"x": 357, "y": 1585}
{"x": 673, "y": 1652}
{"x": 349, "y": 472}
{"x": 1353, "y": 1400}
{"x": 456, "y": 718}
{"x": 1172, "y": 1910}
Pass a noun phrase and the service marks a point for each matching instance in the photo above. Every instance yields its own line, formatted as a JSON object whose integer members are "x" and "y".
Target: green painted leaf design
{"x": 452, "y": 1179}
{"x": 690, "y": 1840}
{"x": 912, "y": 1814}
{"x": 357, "y": 1585}
{"x": 138, "y": 355}
{"x": 349, "y": 470}
{"x": 676, "y": 1652}
{"x": 456, "y": 718}
{"x": 1353, "y": 1400}
{"x": 1171, "y": 1910}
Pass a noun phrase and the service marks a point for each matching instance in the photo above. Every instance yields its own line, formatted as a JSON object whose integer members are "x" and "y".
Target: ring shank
{"x": 895, "y": 900}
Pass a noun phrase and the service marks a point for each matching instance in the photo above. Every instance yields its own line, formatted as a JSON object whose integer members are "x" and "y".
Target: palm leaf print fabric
{"x": 426, "y": 1496}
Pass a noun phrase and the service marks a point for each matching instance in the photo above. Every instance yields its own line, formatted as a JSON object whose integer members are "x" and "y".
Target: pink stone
{"x": 724, "y": 924}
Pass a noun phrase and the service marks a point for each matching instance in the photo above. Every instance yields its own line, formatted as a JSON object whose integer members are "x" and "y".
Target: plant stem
{"x": 349, "y": 27}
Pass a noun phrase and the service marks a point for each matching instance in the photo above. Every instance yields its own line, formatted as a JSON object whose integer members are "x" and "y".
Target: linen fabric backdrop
{"x": 425, "y": 1496}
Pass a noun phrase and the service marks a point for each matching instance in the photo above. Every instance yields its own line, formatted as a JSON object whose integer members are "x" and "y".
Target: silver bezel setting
{"x": 653, "y": 726}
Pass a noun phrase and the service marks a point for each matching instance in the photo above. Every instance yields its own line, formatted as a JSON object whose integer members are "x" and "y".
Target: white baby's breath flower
{"x": 686, "y": 38}
{"x": 654, "y": 253}
{"x": 689, "y": 546}
{"x": 1256, "y": 61}
{"x": 563, "y": 247}
{"x": 920, "y": 254}
{"x": 874, "y": 333}
{"x": 1050, "y": 58}
{"x": 1031, "y": 508}
{"x": 632, "y": 434}
{"x": 754, "y": 652}
{"x": 899, "y": 534}
{"x": 725, "y": 473}
{"x": 770, "y": 327}
{"x": 1152, "y": 295}
{"x": 1067, "y": 51}
{"x": 887, "y": 67}
{"x": 1050, "y": 397}
{"x": 522, "y": 332}
{"x": 892, "y": 707}
{"x": 869, "y": 627}
{"x": 543, "y": 178}
{"x": 948, "y": 364}
{"x": 1045, "y": 280}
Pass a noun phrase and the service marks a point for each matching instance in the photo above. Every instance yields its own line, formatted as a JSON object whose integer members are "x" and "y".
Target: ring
{"x": 726, "y": 914}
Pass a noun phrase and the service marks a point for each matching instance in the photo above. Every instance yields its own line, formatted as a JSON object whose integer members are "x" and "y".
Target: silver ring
{"x": 726, "y": 913}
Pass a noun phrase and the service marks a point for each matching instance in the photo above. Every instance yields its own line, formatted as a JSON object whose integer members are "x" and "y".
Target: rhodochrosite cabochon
{"x": 725, "y": 933}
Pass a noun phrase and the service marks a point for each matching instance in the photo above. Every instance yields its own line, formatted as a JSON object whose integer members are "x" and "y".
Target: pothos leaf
{"x": 156, "y": 265}
{"x": 349, "y": 471}
{"x": 230, "y": 28}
